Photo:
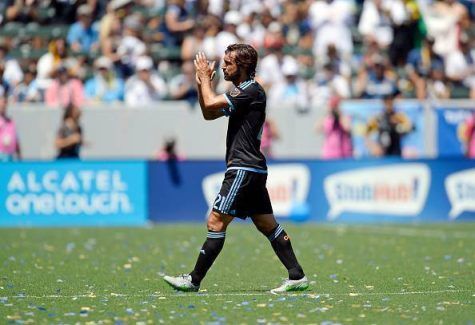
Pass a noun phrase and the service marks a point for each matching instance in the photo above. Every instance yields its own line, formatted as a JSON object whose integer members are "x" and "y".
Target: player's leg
{"x": 218, "y": 221}
{"x": 282, "y": 246}
{"x": 217, "y": 224}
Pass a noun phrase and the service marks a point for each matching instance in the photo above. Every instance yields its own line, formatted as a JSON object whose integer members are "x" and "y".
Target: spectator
{"x": 274, "y": 36}
{"x": 264, "y": 20}
{"x": 329, "y": 83}
{"x": 28, "y": 90}
{"x": 177, "y": 23}
{"x": 305, "y": 57}
{"x": 390, "y": 127}
{"x": 4, "y": 87}
{"x": 420, "y": 63}
{"x": 111, "y": 26}
{"x": 3, "y": 9}
{"x": 331, "y": 21}
{"x": 292, "y": 91}
{"x": 460, "y": 67}
{"x": 405, "y": 20}
{"x": 9, "y": 142}
{"x": 228, "y": 35}
{"x": 131, "y": 46}
{"x": 183, "y": 86}
{"x": 65, "y": 90}
{"x": 105, "y": 86}
{"x": 83, "y": 35}
{"x": 168, "y": 152}
{"x": 153, "y": 30}
{"x": 69, "y": 138}
{"x": 269, "y": 134}
{"x": 333, "y": 57}
{"x": 213, "y": 27}
{"x": 22, "y": 11}
{"x": 251, "y": 30}
{"x": 98, "y": 8}
{"x": 223, "y": 39}
{"x": 376, "y": 20}
{"x": 145, "y": 86}
{"x": 375, "y": 81}
{"x": 470, "y": 136}
{"x": 154, "y": 6}
{"x": 295, "y": 22}
{"x": 336, "y": 129}
{"x": 65, "y": 11}
{"x": 445, "y": 20}
{"x": 270, "y": 68}
{"x": 12, "y": 73}
{"x": 48, "y": 63}
{"x": 198, "y": 42}
{"x": 437, "y": 87}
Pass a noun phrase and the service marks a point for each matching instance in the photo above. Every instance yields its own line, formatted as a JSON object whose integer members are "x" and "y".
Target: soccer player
{"x": 243, "y": 192}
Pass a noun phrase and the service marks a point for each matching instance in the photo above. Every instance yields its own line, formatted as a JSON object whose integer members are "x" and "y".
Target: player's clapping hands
{"x": 204, "y": 69}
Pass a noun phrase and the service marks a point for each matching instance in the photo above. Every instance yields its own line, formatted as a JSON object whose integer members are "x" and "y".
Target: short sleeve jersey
{"x": 247, "y": 113}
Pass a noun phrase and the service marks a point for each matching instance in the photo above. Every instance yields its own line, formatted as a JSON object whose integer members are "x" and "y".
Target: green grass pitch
{"x": 359, "y": 274}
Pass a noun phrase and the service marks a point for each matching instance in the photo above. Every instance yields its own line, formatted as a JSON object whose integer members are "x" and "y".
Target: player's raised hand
{"x": 204, "y": 69}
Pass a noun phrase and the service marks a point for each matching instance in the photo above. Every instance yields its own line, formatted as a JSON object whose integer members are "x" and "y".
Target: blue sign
{"x": 361, "y": 112}
{"x": 73, "y": 193}
{"x": 378, "y": 190}
{"x": 450, "y": 129}
{"x": 393, "y": 190}
{"x": 176, "y": 189}
{"x": 124, "y": 193}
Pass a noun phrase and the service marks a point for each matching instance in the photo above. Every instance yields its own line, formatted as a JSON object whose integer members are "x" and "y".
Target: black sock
{"x": 208, "y": 253}
{"x": 280, "y": 242}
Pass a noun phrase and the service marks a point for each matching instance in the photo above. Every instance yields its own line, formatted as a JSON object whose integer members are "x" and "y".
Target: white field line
{"x": 236, "y": 294}
{"x": 400, "y": 231}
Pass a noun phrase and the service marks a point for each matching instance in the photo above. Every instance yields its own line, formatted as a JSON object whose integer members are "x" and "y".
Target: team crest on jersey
{"x": 234, "y": 92}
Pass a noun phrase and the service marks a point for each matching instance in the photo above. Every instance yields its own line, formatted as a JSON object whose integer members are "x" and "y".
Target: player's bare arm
{"x": 207, "y": 114}
{"x": 210, "y": 103}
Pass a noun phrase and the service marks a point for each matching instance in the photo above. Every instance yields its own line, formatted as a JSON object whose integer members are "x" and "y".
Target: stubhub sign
{"x": 73, "y": 193}
{"x": 398, "y": 189}
{"x": 460, "y": 189}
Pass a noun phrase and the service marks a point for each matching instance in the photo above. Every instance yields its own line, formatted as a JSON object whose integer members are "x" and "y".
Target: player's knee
{"x": 215, "y": 222}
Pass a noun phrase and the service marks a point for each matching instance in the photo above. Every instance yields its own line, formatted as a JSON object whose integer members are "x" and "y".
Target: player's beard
{"x": 232, "y": 77}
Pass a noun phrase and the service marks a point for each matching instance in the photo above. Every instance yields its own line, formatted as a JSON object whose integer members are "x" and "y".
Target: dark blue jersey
{"x": 247, "y": 113}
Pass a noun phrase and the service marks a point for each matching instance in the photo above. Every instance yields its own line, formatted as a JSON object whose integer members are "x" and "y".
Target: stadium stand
{"x": 28, "y": 32}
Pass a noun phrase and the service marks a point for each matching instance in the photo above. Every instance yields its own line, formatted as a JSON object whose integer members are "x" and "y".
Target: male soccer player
{"x": 243, "y": 192}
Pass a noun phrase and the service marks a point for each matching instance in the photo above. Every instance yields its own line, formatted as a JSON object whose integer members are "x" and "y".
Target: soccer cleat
{"x": 292, "y": 285}
{"x": 181, "y": 283}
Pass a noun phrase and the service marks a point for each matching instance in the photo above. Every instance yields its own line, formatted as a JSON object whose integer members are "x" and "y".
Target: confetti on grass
{"x": 141, "y": 297}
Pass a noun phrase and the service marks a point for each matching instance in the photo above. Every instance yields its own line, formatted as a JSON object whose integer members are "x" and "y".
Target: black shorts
{"x": 243, "y": 194}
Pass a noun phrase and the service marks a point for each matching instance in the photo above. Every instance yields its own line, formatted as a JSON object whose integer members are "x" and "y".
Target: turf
{"x": 359, "y": 274}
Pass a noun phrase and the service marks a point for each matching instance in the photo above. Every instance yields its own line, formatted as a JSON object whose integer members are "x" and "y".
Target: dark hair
{"x": 246, "y": 57}
{"x": 68, "y": 111}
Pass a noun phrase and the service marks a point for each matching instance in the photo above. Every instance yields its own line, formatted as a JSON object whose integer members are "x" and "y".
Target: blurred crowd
{"x": 87, "y": 51}
{"x": 313, "y": 53}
